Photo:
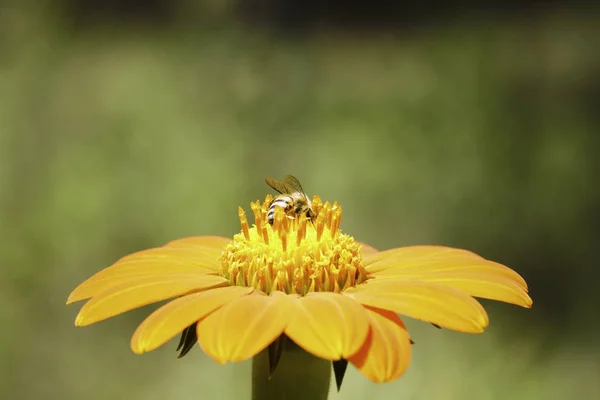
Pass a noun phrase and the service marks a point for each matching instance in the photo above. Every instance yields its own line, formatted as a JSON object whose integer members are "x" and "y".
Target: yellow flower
{"x": 334, "y": 297}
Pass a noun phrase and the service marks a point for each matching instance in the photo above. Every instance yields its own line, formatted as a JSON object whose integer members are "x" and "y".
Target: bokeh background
{"x": 126, "y": 124}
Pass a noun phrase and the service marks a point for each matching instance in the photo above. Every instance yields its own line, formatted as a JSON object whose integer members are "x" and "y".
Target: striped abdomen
{"x": 293, "y": 204}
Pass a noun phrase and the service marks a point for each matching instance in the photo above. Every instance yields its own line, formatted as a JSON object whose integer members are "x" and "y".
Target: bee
{"x": 292, "y": 199}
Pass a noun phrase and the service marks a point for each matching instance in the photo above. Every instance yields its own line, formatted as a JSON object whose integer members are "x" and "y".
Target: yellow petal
{"x": 431, "y": 302}
{"x": 201, "y": 257}
{"x": 146, "y": 263}
{"x": 486, "y": 286}
{"x": 367, "y": 250}
{"x": 398, "y": 265}
{"x": 133, "y": 294}
{"x": 244, "y": 327}
{"x": 328, "y": 325}
{"x": 387, "y": 351}
{"x": 100, "y": 282}
{"x": 175, "y": 316}
{"x": 215, "y": 242}
{"x": 383, "y": 259}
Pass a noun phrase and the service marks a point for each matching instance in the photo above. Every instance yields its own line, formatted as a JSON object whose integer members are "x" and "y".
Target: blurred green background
{"x": 126, "y": 124}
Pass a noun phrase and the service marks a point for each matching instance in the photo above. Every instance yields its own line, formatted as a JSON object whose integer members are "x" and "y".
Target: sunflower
{"x": 301, "y": 282}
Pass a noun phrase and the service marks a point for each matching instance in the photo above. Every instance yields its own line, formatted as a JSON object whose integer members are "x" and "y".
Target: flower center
{"x": 294, "y": 255}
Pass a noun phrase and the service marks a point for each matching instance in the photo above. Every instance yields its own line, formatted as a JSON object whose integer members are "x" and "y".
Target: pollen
{"x": 295, "y": 255}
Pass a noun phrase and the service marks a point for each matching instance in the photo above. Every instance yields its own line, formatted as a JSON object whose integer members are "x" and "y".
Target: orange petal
{"x": 143, "y": 264}
{"x": 133, "y": 294}
{"x": 399, "y": 266}
{"x": 431, "y": 302}
{"x": 486, "y": 286}
{"x": 328, "y": 325}
{"x": 244, "y": 327}
{"x": 175, "y": 316}
{"x": 367, "y": 250}
{"x": 386, "y": 353}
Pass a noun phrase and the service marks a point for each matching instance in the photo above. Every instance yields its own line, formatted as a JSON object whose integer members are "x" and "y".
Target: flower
{"x": 334, "y": 297}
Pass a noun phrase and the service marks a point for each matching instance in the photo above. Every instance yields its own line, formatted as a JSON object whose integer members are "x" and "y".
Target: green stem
{"x": 298, "y": 376}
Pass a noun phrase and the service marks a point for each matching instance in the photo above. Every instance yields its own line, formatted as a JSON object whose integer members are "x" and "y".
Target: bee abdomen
{"x": 281, "y": 201}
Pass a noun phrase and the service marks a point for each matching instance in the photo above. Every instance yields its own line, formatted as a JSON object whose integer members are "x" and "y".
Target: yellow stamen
{"x": 293, "y": 255}
{"x": 258, "y": 220}
{"x": 244, "y": 222}
{"x": 320, "y": 225}
{"x": 301, "y": 234}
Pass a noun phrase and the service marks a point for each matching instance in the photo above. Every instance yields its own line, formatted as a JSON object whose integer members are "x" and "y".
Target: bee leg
{"x": 437, "y": 326}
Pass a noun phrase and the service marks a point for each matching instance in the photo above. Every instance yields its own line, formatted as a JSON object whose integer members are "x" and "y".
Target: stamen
{"x": 244, "y": 222}
{"x": 274, "y": 286}
{"x": 253, "y": 276}
{"x": 281, "y": 226}
{"x": 326, "y": 280}
{"x": 265, "y": 206}
{"x": 285, "y": 225}
{"x": 257, "y": 211}
{"x": 317, "y": 204}
{"x": 269, "y": 275}
{"x": 320, "y": 226}
{"x": 283, "y": 236}
{"x": 336, "y": 287}
{"x": 240, "y": 279}
{"x": 298, "y": 281}
{"x": 313, "y": 286}
{"x": 313, "y": 255}
{"x": 276, "y": 222}
{"x": 282, "y": 280}
{"x": 318, "y": 279}
{"x": 328, "y": 213}
{"x": 342, "y": 277}
{"x": 265, "y": 234}
{"x": 335, "y": 222}
{"x": 301, "y": 230}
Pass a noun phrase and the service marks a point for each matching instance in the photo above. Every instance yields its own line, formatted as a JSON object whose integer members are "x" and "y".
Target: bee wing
{"x": 293, "y": 183}
{"x": 281, "y": 187}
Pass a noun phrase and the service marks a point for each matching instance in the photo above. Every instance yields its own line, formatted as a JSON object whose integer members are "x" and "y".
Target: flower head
{"x": 336, "y": 298}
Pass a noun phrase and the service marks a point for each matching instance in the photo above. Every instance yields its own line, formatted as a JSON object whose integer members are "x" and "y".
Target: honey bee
{"x": 292, "y": 199}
